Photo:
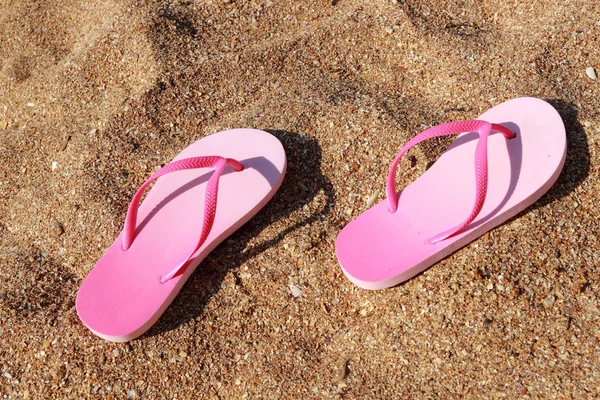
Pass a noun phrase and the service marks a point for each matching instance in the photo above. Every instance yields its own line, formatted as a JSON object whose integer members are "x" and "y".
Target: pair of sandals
{"x": 519, "y": 147}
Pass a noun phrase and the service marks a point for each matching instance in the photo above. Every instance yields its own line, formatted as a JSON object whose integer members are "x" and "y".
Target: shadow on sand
{"x": 577, "y": 163}
{"x": 303, "y": 181}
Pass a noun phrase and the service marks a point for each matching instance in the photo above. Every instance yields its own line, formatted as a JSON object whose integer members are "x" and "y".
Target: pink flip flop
{"x": 449, "y": 206}
{"x": 181, "y": 220}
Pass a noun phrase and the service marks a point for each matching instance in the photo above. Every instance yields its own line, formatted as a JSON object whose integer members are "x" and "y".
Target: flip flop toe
{"x": 517, "y": 150}
{"x": 211, "y": 189}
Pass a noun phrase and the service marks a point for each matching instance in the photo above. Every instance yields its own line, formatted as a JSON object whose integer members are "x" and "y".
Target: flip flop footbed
{"x": 380, "y": 249}
{"x": 122, "y": 295}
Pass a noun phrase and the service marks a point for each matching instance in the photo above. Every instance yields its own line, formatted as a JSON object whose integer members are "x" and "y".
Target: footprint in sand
{"x": 54, "y": 53}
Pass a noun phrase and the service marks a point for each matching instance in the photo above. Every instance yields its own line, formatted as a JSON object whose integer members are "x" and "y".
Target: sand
{"x": 94, "y": 96}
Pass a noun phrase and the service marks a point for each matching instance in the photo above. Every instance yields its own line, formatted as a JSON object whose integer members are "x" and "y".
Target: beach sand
{"x": 95, "y": 96}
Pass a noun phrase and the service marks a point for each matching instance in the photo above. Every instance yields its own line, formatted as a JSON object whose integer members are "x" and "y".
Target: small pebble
{"x": 57, "y": 228}
{"x": 115, "y": 353}
{"x": 59, "y": 372}
{"x": 30, "y": 104}
{"x": 295, "y": 289}
{"x": 549, "y": 300}
{"x": 3, "y": 124}
{"x": 343, "y": 370}
{"x": 131, "y": 394}
{"x": 371, "y": 200}
{"x": 64, "y": 143}
{"x": 54, "y": 165}
{"x": 591, "y": 73}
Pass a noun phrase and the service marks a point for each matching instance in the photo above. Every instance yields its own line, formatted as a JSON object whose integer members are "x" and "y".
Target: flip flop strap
{"x": 210, "y": 203}
{"x": 481, "y": 165}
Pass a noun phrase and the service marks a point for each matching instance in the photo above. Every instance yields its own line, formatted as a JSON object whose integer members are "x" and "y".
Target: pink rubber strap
{"x": 210, "y": 204}
{"x": 481, "y": 169}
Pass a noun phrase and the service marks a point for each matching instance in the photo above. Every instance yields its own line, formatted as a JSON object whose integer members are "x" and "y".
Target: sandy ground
{"x": 94, "y": 96}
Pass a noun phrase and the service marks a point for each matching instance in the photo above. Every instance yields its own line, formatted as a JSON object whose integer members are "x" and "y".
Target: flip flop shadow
{"x": 302, "y": 183}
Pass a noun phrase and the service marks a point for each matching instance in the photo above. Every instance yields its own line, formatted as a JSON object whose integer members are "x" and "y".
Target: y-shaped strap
{"x": 481, "y": 170}
{"x": 210, "y": 203}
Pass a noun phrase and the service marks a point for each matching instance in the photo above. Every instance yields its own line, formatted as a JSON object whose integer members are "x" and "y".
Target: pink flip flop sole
{"x": 123, "y": 296}
{"x": 380, "y": 249}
